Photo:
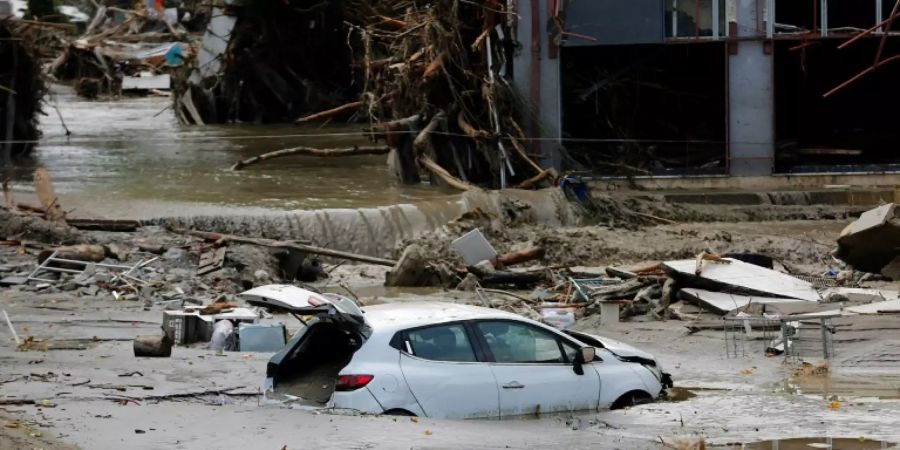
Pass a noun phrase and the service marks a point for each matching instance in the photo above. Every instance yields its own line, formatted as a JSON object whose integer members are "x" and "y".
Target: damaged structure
{"x": 122, "y": 50}
{"x": 713, "y": 87}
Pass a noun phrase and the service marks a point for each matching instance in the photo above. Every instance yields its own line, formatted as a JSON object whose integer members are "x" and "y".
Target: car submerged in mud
{"x": 445, "y": 360}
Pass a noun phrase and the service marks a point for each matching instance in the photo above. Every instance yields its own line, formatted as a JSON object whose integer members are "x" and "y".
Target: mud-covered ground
{"x": 102, "y": 397}
{"x": 89, "y": 391}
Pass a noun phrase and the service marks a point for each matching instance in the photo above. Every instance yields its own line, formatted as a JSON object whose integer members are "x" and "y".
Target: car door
{"x": 445, "y": 375}
{"x": 534, "y": 369}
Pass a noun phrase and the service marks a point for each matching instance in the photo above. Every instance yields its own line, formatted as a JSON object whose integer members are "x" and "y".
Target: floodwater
{"x": 818, "y": 443}
{"x": 881, "y": 387}
{"x": 134, "y": 150}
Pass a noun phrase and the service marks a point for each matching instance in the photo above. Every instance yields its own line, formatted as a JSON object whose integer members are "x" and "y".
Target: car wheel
{"x": 399, "y": 412}
{"x": 630, "y": 399}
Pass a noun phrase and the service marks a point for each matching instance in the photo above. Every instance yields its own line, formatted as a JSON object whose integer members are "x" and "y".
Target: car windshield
{"x": 519, "y": 343}
{"x": 442, "y": 343}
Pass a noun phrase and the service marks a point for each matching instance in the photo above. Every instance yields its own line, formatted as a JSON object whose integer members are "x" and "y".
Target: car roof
{"x": 402, "y": 315}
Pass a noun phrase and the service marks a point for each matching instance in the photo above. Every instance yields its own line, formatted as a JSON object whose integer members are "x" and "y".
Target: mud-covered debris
{"x": 413, "y": 269}
{"x": 153, "y": 345}
{"x": 873, "y": 241}
{"x": 33, "y": 228}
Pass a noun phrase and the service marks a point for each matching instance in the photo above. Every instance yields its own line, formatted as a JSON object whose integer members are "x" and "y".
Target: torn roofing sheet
{"x": 723, "y": 302}
{"x": 740, "y": 277}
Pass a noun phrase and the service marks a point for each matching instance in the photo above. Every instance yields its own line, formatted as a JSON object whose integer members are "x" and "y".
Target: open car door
{"x": 307, "y": 367}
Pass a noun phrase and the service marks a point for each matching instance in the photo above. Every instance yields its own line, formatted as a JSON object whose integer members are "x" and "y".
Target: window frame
{"x": 482, "y": 342}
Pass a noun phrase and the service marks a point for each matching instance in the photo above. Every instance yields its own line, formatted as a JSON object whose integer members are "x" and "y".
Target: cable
{"x": 188, "y": 138}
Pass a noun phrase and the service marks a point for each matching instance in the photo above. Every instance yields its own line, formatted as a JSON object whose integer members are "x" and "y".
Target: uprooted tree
{"x": 429, "y": 77}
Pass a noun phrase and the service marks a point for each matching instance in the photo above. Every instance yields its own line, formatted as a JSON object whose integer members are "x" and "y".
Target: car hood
{"x": 622, "y": 349}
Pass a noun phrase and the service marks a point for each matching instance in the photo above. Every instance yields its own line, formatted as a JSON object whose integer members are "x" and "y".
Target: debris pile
{"x": 431, "y": 80}
{"x": 701, "y": 290}
{"x": 123, "y": 50}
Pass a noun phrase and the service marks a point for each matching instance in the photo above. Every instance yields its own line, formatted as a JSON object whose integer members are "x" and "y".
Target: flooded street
{"x": 133, "y": 152}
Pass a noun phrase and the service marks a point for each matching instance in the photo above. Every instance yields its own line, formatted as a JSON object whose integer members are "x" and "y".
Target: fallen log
{"x": 445, "y": 176}
{"x": 81, "y": 252}
{"x": 219, "y": 237}
{"x": 87, "y": 223}
{"x": 310, "y": 151}
{"x": 331, "y": 113}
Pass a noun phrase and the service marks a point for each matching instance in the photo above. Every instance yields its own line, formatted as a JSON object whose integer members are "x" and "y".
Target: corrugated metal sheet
{"x": 615, "y": 22}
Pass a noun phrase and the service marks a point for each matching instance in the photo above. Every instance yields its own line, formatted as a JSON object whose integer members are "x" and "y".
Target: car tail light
{"x": 352, "y": 382}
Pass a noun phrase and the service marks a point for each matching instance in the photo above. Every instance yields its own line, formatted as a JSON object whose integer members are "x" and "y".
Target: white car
{"x": 445, "y": 360}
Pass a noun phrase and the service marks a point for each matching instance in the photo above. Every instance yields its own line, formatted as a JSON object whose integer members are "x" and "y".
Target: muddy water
{"x": 818, "y": 443}
{"x": 133, "y": 150}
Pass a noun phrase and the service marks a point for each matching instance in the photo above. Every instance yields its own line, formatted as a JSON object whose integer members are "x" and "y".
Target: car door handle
{"x": 513, "y": 385}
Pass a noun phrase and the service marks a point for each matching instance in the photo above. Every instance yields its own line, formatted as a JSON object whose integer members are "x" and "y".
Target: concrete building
{"x": 711, "y": 87}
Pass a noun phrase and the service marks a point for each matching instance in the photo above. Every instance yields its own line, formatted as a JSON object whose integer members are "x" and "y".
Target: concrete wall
{"x": 549, "y": 108}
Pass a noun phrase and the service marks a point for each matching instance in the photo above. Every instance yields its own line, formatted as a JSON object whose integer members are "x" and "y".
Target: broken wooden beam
{"x": 220, "y": 237}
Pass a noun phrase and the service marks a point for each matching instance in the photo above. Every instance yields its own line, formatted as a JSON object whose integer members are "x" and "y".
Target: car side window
{"x": 441, "y": 343}
{"x": 511, "y": 342}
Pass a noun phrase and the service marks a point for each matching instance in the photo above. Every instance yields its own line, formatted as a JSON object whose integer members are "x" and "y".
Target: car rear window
{"x": 441, "y": 343}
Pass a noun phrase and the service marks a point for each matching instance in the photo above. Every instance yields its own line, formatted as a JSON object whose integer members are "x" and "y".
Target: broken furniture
{"x": 64, "y": 265}
{"x": 807, "y": 335}
{"x": 795, "y": 335}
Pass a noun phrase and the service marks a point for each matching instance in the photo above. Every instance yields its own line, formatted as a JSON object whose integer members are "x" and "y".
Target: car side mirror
{"x": 588, "y": 354}
{"x": 585, "y": 355}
